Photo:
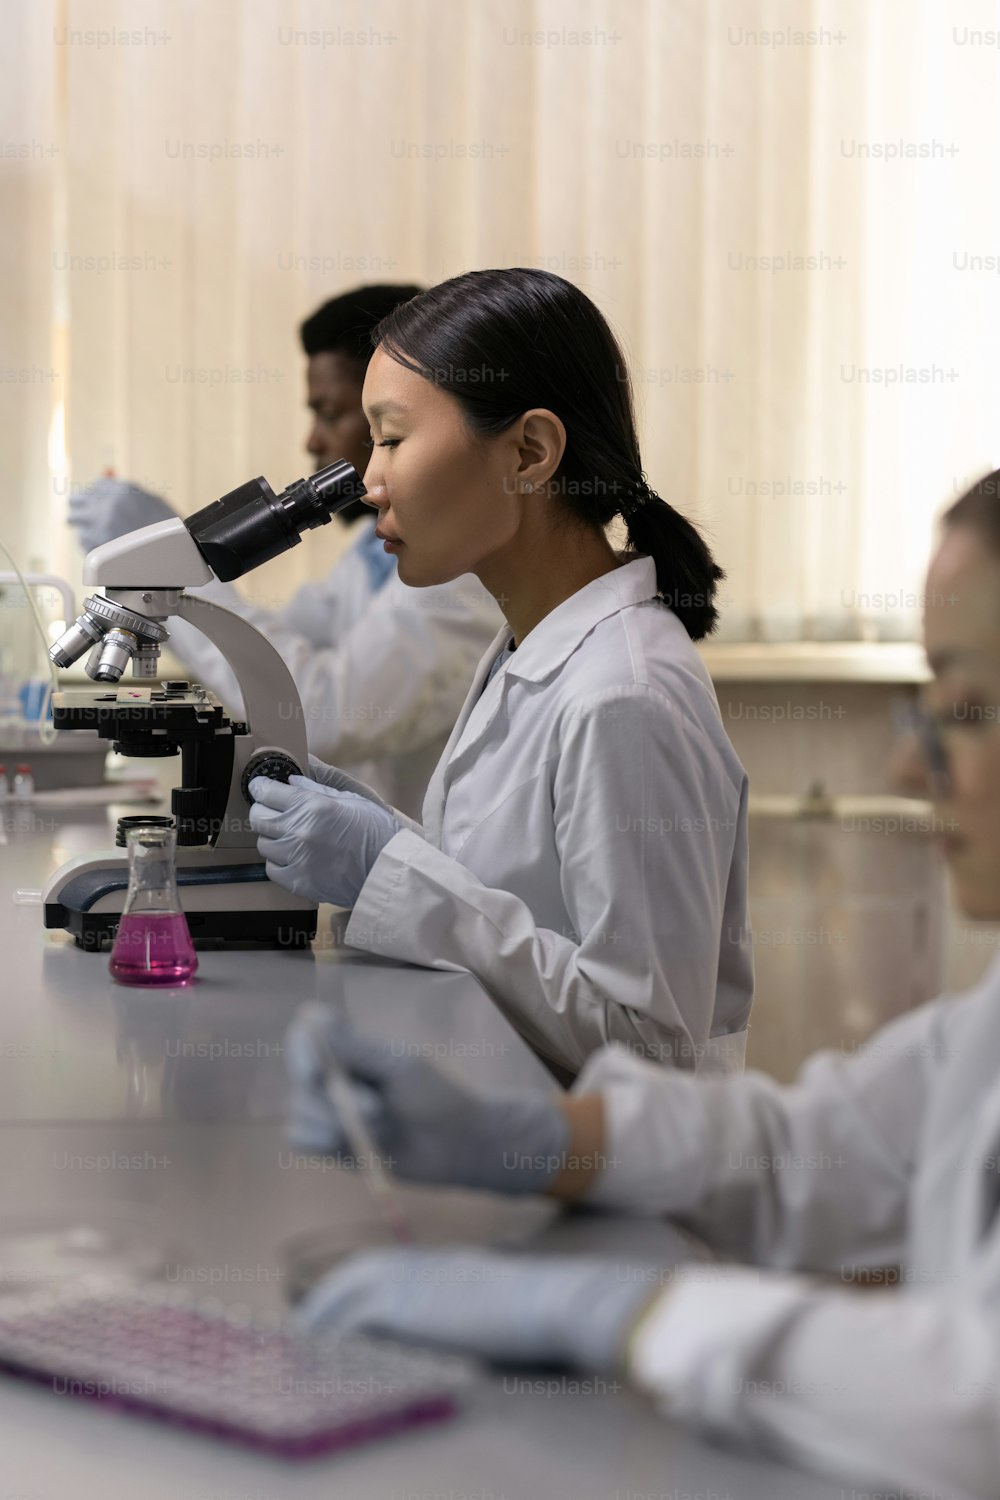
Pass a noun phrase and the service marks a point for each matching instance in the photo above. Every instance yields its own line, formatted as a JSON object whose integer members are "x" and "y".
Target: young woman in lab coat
{"x": 584, "y": 847}
{"x": 887, "y": 1157}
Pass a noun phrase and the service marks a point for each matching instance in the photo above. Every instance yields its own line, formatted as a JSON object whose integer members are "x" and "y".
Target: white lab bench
{"x": 171, "y": 1105}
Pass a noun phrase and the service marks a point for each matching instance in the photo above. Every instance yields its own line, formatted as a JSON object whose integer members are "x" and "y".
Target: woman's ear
{"x": 541, "y": 444}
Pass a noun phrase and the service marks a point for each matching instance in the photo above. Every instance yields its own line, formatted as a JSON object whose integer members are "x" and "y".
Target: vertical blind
{"x": 787, "y": 209}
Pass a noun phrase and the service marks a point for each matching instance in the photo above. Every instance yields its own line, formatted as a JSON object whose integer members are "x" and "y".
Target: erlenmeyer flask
{"x": 153, "y": 944}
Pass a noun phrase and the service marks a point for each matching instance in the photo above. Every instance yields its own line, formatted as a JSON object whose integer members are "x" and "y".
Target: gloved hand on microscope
{"x": 320, "y": 834}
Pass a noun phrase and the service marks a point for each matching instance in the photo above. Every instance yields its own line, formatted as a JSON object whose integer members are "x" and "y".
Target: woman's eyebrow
{"x": 381, "y": 407}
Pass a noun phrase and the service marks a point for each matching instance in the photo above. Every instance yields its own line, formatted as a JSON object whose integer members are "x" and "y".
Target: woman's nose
{"x": 376, "y": 492}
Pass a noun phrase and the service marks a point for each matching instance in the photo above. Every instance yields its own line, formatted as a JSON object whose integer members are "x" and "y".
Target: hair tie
{"x": 636, "y": 495}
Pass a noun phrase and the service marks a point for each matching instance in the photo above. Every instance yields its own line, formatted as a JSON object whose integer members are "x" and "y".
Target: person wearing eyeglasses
{"x": 886, "y": 1158}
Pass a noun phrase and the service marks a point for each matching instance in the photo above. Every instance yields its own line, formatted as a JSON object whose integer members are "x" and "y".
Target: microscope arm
{"x": 271, "y": 700}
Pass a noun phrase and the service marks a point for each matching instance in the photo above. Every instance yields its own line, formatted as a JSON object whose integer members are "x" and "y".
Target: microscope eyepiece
{"x": 252, "y": 524}
{"x": 245, "y": 528}
{"x": 331, "y": 488}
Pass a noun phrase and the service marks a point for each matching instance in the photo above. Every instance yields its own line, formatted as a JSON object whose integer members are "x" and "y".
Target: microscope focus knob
{"x": 273, "y": 763}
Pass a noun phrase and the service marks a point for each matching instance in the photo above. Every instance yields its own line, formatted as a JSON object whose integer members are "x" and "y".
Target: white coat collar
{"x": 554, "y": 638}
{"x": 541, "y": 653}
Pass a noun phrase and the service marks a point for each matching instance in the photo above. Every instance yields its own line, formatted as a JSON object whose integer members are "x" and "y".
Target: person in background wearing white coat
{"x": 888, "y": 1157}
{"x": 583, "y": 849}
{"x": 381, "y": 671}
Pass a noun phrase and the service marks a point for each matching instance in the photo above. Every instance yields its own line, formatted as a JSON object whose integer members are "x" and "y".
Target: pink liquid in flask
{"x": 153, "y": 948}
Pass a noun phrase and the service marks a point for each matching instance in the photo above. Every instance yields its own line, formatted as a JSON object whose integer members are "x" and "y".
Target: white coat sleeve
{"x": 886, "y": 1389}
{"x": 389, "y": 681}
{"x": 645, "y": 822}
{"x": 808, "y": 1176}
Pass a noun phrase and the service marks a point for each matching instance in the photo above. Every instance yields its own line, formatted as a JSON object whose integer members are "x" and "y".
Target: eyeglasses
{"x": 912, "y": 718}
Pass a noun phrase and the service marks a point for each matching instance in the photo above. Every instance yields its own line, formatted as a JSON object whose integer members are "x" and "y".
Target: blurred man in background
{"x": 382, "y": 669}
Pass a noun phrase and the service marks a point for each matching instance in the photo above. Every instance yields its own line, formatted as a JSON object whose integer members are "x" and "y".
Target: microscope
{"x": 221, "y": 879}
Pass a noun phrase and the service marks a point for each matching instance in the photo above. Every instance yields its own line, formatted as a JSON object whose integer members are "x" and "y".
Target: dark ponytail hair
{"x": 502, "y": 342}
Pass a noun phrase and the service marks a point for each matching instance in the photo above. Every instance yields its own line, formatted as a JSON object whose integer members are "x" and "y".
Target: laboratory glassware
{"x": 153, "y": 944}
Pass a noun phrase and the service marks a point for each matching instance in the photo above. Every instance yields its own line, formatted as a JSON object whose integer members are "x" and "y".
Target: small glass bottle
{"x": 24, "y": 783}
{"x": 153, "y": 944}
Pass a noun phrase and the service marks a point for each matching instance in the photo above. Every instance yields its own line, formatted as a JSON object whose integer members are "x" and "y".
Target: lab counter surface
{"x": 168, "y": 1108}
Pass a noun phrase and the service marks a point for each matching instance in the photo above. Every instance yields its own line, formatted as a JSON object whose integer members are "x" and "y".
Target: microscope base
{"x": 95, "y": 931}
{"x": 225, "y": 894}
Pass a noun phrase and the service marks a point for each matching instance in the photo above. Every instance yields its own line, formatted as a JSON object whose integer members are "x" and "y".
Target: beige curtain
{"x": 788, "y": 210}
{"x": 33, "y": 379}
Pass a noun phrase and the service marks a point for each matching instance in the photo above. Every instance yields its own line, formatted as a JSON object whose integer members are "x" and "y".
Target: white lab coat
{"x": 382, "y": 673}
{"x": 584, "y": 841}
{"x": 888, "y": 1156}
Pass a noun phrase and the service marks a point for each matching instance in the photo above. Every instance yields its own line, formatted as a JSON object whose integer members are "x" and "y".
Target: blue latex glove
{"x": 339, "y": 780}
{"x": 315, "y": 840}
{"x": 332, "y": 776}
{"x": 112, "y": 507}
{"x": 429, "y": 1126}
{"x": 560, "y": 1309}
